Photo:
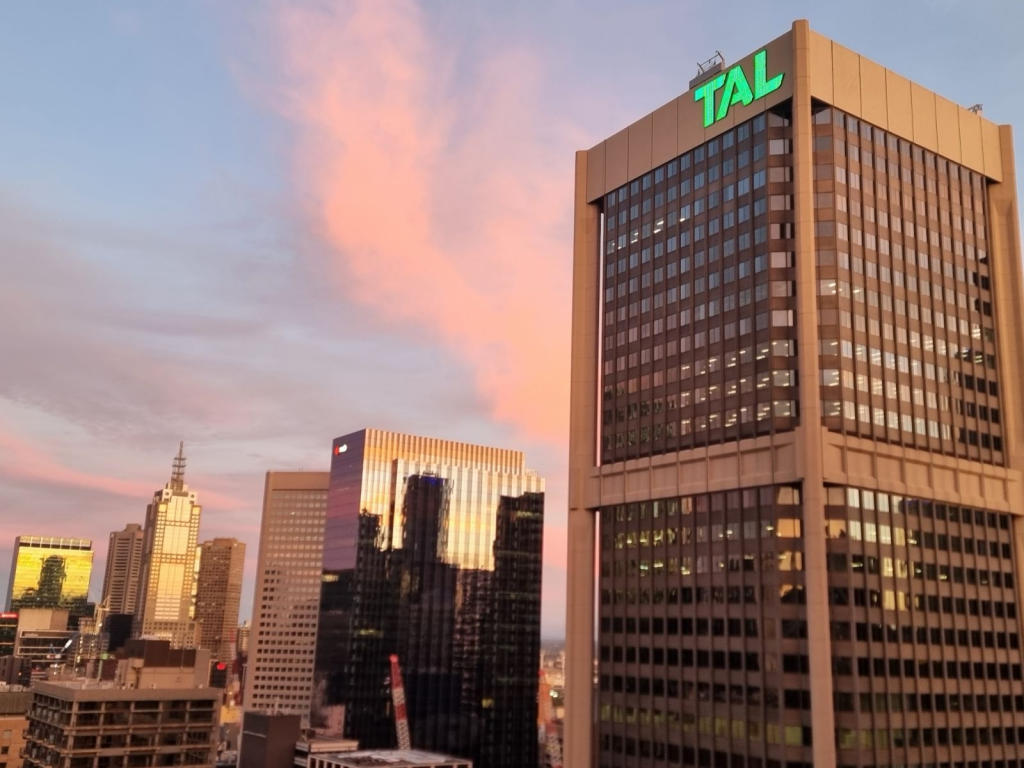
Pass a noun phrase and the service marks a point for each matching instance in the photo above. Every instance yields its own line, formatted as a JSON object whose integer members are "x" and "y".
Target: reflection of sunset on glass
{"x": 256, "y": 226}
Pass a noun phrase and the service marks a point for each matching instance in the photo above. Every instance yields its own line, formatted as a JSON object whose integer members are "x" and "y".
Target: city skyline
{"x": 271, "y": 287}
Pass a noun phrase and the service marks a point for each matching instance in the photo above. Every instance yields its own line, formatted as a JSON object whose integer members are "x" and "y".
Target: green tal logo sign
{"x": 736, "y": 89}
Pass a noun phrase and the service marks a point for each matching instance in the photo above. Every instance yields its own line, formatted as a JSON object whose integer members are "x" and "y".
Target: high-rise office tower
{"x": 797, "y": 436}
{"x": 167, "y": 589}
{"x": 282, "y": 640}
{"x": 50, "y": 572}
{"x": 218, "y": 593}
{"x": 432, "y": 552}
{"x": 124, "y": 563}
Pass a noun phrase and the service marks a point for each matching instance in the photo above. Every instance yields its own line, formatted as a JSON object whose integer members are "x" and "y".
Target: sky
{"x": 255, "y": 226}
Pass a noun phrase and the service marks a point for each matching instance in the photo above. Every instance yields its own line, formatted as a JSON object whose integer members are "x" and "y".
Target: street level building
{"x": 282, "y": 640}
{"x": 166, "y": 597}
{"x": 797, "y": 436}
{"x": 218, "y": 593}
{"x": 432, "y": 552}
{"x": 124, "y": 565}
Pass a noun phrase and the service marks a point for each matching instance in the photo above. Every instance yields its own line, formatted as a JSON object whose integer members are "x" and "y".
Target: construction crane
{"x": 398, "y": 697}
{"x": 547, "y": 715}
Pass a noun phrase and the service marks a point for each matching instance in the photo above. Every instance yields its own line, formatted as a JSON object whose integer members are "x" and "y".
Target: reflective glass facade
{"x": 167, "y": 588}
{"x": 703, "y": 627}
{"x": 905, "y": 295}
{"x": 924, "y": 627}
{"x": 50, "y": 572}
{"x": 432, "y": 552}
{"x": 698, "y": 331}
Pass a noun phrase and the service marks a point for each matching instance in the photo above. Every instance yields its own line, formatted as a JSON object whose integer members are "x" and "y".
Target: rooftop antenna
{"x": 976, "y": 109}
{"x": 708, "y": 69}
{"x": 178, "y": 469}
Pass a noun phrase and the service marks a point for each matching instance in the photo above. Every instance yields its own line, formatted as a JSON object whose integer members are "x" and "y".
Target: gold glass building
{"x": 797, "y": 441}
{"x": 50, "y": 572}
{"x": 167, "y": 589}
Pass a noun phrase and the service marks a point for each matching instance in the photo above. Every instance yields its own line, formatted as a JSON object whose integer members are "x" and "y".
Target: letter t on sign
{"x": 706, "y": 93}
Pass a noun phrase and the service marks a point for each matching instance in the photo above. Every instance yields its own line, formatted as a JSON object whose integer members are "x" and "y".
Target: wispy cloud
{"x": 444, "y": 192}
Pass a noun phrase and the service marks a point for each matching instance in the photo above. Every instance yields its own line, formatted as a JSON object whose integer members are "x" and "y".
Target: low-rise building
{"x": 314, "y": 743}
{"x": 388, "y": 758}
{"x": 14, "y": 703}
{"x": 158, "y": 709}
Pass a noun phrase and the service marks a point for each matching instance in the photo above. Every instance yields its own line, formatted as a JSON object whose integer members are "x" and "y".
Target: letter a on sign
{"x": 735, "y": 88}
{"x": 735, "y": 91}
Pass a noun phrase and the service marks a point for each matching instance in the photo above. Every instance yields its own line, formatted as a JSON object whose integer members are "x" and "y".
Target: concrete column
{"x": 809, "y": 434}
{"x": 579, "y": 619}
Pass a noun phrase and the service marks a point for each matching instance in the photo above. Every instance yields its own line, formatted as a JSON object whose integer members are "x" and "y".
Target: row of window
{"x": 843, "y": 666}
{"x": 684, "y": 162}
{"x": 890, "y": 633}
{"x": 927, "y": 702}
{"x": 889, "y": 599}
{"x": 899, "y": 568}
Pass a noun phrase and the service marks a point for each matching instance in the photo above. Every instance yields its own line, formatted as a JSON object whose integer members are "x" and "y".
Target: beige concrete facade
{"x": 818, "y": 71}
{"x": 282, "y": 640}
{"x": 84, "y": 723}
{"x": 124, "y": 566}
{"x": 218, "y": 594}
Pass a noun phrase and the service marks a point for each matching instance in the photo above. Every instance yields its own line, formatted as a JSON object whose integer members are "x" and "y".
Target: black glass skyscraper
{"x": 432, "y": 552}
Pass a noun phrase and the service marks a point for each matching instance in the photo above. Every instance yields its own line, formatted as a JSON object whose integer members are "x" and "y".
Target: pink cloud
{"x": 445, "y": 193}
{"x": 22, "y": 461}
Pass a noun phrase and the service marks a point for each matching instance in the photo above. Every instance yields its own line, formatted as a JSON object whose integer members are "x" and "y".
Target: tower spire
{"x": 178, "y": 468}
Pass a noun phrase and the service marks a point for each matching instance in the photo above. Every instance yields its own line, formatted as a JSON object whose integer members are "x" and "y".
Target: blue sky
{"x": 173, "y": 267}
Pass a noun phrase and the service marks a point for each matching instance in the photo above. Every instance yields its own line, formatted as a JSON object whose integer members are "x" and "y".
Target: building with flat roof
{"x": 124, "y": 566}
{"x": 218, "y": 594}
{"x": 281, "y": 642}
{"x": 314, "y": 743}
{"x": 391, "y": 758}
{"x": 157, "y": 711}
{"x": 50, "y": 572}
{"x": 797, "y": 435}
{"x": 268, "y": 740}
{"x": 432, "y": 552}
{"x": 14, "y": 704}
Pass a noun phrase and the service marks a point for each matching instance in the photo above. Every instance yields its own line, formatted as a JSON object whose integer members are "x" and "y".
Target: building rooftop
{"x": 396, "y": 758}
{"x": 108, "y": 690}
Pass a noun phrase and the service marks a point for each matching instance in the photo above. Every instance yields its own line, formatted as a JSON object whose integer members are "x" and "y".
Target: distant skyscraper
{"x": 124, "y": 563}
{"x": 795, "y": 416}
{"x": 282, "y": 641}
{"x": 50, "y": 572}
{"x": 218, "y": 593}
{"x": 242, "y": 638}
{"x": 432, "y": 552}
{"x": 166, "y": 599}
